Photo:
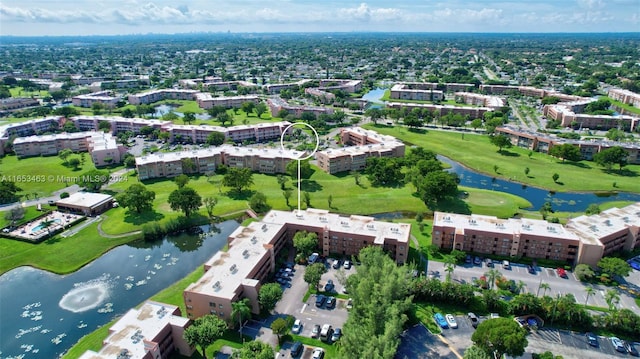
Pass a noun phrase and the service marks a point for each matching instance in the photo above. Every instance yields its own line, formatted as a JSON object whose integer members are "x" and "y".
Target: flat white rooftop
{"x": 591, "y": 228}
{"x": 85, "y": 199}
{"x": 359, "y": 150}
{"x": 220, "y": 150}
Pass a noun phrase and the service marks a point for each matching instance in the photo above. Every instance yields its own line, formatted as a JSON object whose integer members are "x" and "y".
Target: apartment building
{"x": 625, "y": 96}
{"x": 103, "y": 147}
{"x": 273, "y": 89}
{"x": 588, "y": 148}
{"x": 253, "y": 250}
{"x": 567, "y": 114}
{"x": 472, "y": 112}
{"x": 205, "y": 160}
{"x": 361, "y": 144}
{"x": 206, "y": 100}
{"x": 585, "y": 239}
{"x": 104, "y": 97}
{"x": 349, "y": 86}
{"x": 321, "y": 94}
{"x": 415, "y": 92}
{"x": 163, "y": 94}
{"x": 475, "y": 99}
{"x": 153, "y": 331}
{"x": 27, "y": 128}
{"x": 17, "y": 103}
{"x": 277, "y": 104}
{"x": 227, "y": 85}
{"x": 528, "y": 91}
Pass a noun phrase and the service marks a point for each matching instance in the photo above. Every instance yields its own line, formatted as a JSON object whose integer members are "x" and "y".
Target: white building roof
{"x": 591, "y": 228}
{"x": 85, "y": 199}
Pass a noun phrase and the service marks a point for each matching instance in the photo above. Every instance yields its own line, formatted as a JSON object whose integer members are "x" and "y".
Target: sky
{"x": 119, "y": 17}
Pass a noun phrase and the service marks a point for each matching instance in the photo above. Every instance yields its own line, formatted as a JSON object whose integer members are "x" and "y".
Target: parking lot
{"x": 570, "y": 345}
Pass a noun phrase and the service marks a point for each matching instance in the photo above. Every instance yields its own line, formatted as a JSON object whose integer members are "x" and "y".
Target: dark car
{"x": 468, "y": 259}
{"x": 531, "y": 269}
{"x": 336, "y": 264}
{"x": 296, "y": 349}
{"x": 320, "y": 299}
{"x": 474, "y": 319}
{"x": 315, "y": 333}
{"x": 592, "y": 339}
{"x": 477, "y": 261}
{"x": 329, "y": 287}
{"x": 631, "y": 349}
{"x": 331, "y": 302}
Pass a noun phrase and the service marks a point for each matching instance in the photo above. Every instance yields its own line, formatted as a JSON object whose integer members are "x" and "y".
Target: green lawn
{"x": 622, "y": 105}
{"x": 58, "y": 255}
{"x": 29, "y": 214}
{"x": 581, "y": 176}
{"x": 20, "y": 92}
{"x": 43, "y": 175}
{"x": 91, "y": 341}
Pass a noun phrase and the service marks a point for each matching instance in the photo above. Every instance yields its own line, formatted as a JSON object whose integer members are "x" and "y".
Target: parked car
{"x": 329, "y": 287}
{"x": 331, "y": 302}
{"x": 439, "y": 318}
{"x": 467, "y": 259}
{"x": 474, "y": 319}
{"x": 347, "y": 264}
{"x": 318, "y": 353}
{"x": 506, "y": 264}
{"x": 349, "y": 303}
{"x": 477, "y": 261}
{"x": 315, "y": 332}
{"x": 531, "y": 269}
{"x": 630, "y": 347}
{"x": 337, "y": 333}
{"x": 313, "y": 258}
{"x": 494, "y": 315}
{"x": 336, "y": 264}
{"x": 297, "y": 327}
{"x": 451, "y": 320}
{"x": 297, "y": 349}
{"x": 618, "y": 345}
{"x": 592, "y": 339}
{"x": 320, "y": 299}
{"x": 561, "y": 272}
{"x": 489, "y": 262}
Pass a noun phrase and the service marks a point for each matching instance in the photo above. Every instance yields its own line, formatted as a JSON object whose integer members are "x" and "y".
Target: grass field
{"x": 20, "y": 92}
{"x": 580, "y": 176}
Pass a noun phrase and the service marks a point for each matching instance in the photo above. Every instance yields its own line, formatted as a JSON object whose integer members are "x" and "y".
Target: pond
{"x": 560, "y": 201}
{"x": 374, "y": 95}
{"x": 44, "y": 314}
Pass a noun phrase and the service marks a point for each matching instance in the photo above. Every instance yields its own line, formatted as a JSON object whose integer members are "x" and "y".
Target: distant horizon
{"x": 35, "y": 18}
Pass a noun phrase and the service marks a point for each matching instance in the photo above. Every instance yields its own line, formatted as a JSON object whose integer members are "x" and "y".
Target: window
{"x": 220, "y": 306}
{"x": 213, "y": 311}
{"x": 212, "y": 304}
{"x": 221, "y": 314}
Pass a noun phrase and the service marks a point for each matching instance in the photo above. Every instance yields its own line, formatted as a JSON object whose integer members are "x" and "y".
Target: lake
{"x": 44, "y": 314}
{"x": 374, "y": 95}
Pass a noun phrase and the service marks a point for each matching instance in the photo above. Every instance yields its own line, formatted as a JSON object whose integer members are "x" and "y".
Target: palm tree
{"x": 544, "y": 286}
{"x": 590, "y": 291}
{"x": 492, "y": 275}
{"x": 612, "y": 298}
{"x": 240, "y": 310}
{"x": 520, "y": 285}
{"x": 449, "y": 266}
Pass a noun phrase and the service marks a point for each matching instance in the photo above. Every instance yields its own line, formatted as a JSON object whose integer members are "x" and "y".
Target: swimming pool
{"x": 41, "y": 226}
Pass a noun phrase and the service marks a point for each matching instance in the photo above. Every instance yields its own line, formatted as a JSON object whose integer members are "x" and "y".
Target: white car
{"x": 451, "y": 321}
{"x": 318, "y": 353}
{"x": 297, "y": 327}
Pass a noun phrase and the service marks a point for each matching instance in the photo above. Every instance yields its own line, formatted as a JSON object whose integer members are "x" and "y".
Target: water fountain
{"x": 85, "y": 296}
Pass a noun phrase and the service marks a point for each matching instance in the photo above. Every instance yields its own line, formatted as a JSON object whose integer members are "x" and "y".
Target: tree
{"x": 188, "y": 117}
{"x": 544, "y": 286}
{"x": 614, "y": 155}
{"x": 305, "y": 169}
{"x": 181, "y": 180}
{"x": 104, "y": 126}
{"x": 282, "y": 181}
{"x": 313, "y": 273}
{"x": 437, "y": 186}
{"x": 209, "y": 204}
{"x": 224, "y": 117}
{"x": 555, "y": 177}
{"x": 590, "y": 292}
{"x": 526, "y": 171}
{"x": 258, "y": 202}
{"x": 238, "y": 178}
{"x": 566, "y": 151}
{"x": 269, "y": 295}
{"x": 612, "y": 298}
{"x": 374, "y": 114}
{"x": 14, "y": 214}
{"x": 476, "y": 123}
{"x": 260, "y": 109}
{"x": 330, "y": 201}
{"x": 306, "y": 197}
{"x": 449, "y": 266}
{"x": 215, "y": 138}
{"x": 356, "y": 176}
{"x": 475, "y": 352}
{"x": 305, "y": 243}
{"x": 279, "y": 327}
{"x": 492, "y": 275}
{"x": 247, "y": 107}
{"x": 287, "y": 194}
{"x": 75, "y": 163}
{"x": 500, "y": 336}
{"x": 583, "y": 272}
{"x": 185, "y": 199}
{"x": 240, "y": 310}
{"x": 204, "y": 331}
{"x": 592, "y": 209}
{"x": 8, "y": 192}
{"x": 254, "y": 349}
{"x": 64, "y": 154}
{"x": 137, "y": 198}
{"x": 93, "y": 180}
{"x": 501, "y": 141}
{"x": 614, "y": 266}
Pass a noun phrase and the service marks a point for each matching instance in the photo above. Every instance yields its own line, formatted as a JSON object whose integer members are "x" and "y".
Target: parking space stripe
{"x": 453, "y": 350}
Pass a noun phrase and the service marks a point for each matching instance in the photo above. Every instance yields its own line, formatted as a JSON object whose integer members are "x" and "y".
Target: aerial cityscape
{"x": 299, "y": 179}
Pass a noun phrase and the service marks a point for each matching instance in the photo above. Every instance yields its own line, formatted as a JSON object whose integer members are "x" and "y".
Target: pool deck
{"x": 35, "y": 231}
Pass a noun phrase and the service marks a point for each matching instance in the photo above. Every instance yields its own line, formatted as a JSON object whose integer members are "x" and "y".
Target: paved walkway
{"x": 55, "y": 196}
